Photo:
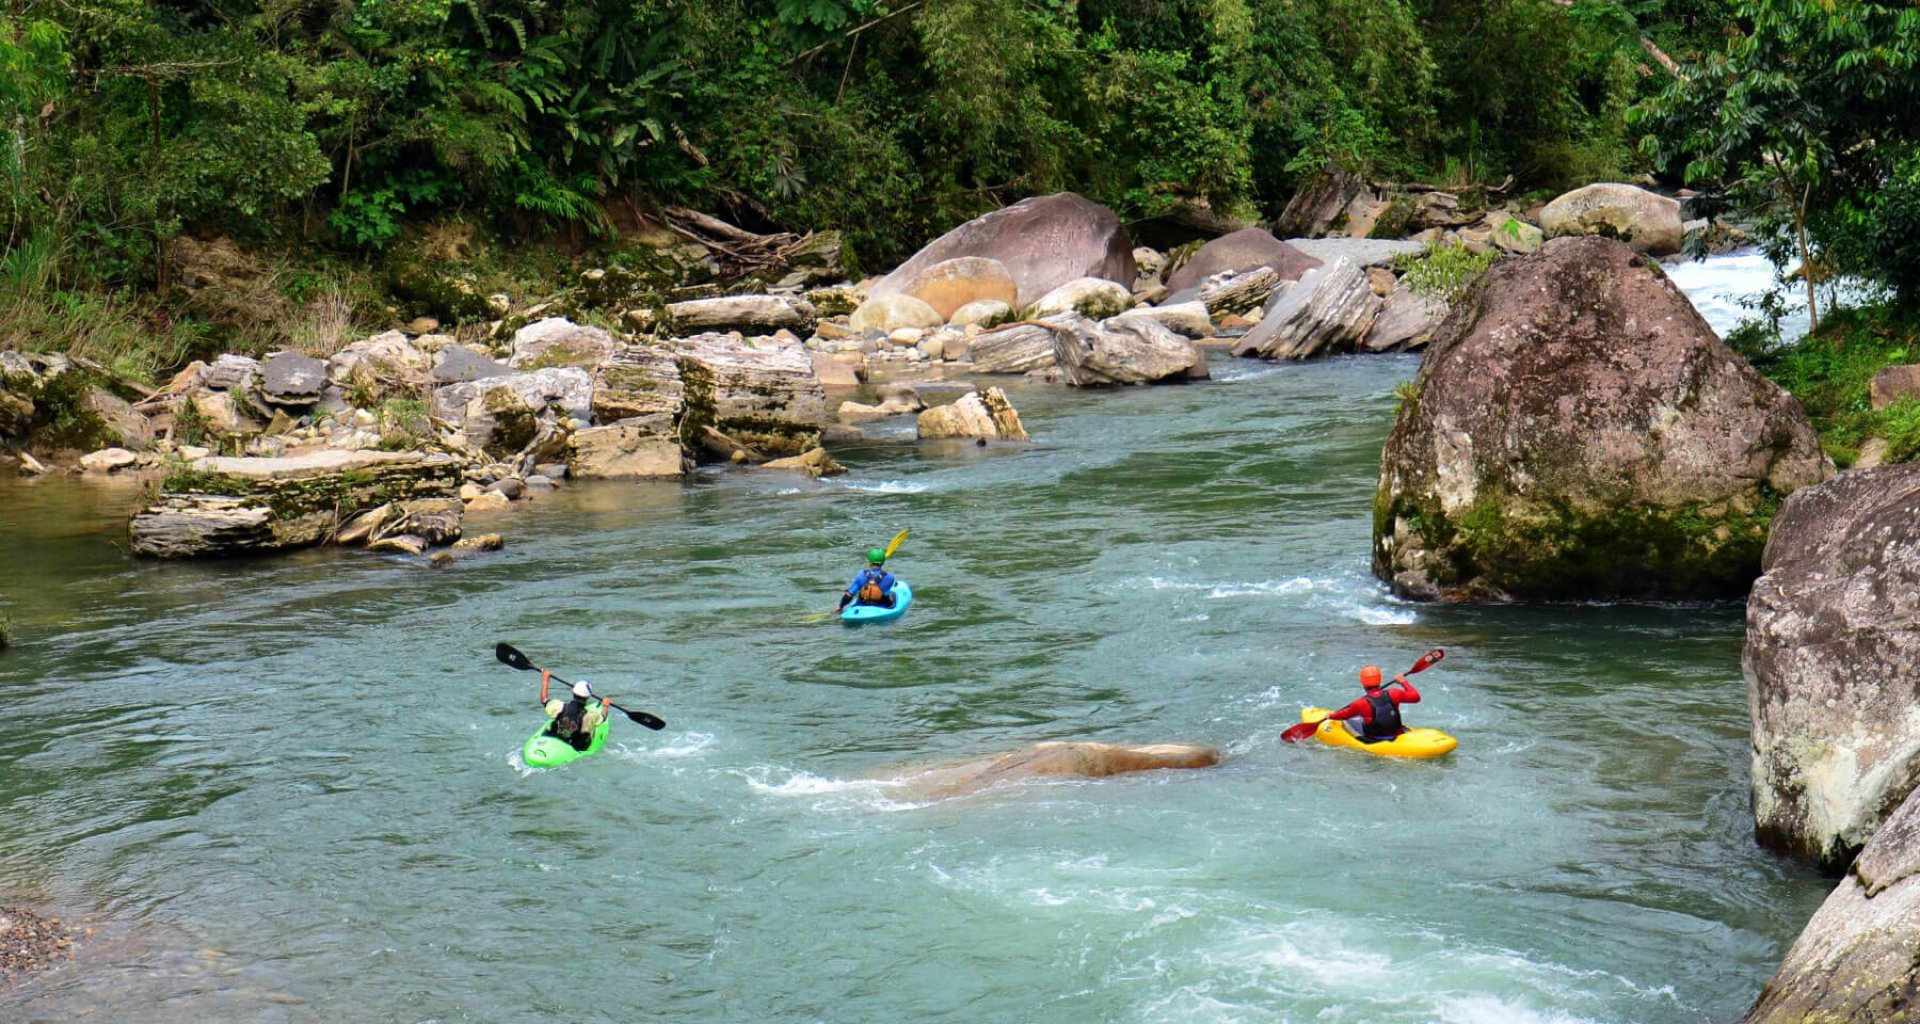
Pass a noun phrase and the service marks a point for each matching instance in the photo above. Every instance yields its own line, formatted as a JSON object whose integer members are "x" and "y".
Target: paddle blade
{"x": 894, "y": 544}
{"x": 641, "y": 717}
{"x": 1427, "y": 661}
{"x": 508, "y": 655}
{"x": 1296, "y": 733}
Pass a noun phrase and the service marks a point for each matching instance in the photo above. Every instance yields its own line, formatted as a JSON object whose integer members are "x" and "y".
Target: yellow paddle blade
{"x": 894, "y": 545}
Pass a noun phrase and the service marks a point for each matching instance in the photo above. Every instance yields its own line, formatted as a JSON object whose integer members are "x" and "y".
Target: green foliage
{"x": 404, "y": 424}
{"x": 1443, "y": 272}
{"x": 1808, "y": 114}
{"x": 345, "y": 125}
{"x": 1831, "y": 373}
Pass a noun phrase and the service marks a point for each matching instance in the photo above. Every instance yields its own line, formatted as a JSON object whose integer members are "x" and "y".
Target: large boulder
{"x": 1325, "y": 312}
{"x": 1241, "y": 252}
{"x": 1127, "y": 349}
{"x": 1833, "y": 664}
{"x": 637, "y": 448}
{"x": 1893, "y": 384}
{"x": 1854, "y": 962}
{"x": 1043, "y": 242}
{"x": 1648, "y": 221}
{"x": 1407, "y": 320}
{"x": 1091, "y": 297}
{"x": 986, "y": 415}
{"x": 503, "y": 415}
{"x": 1320, "y": 202}
{"x": 1041, "y": 760}
{"x": 764, "y": 394}
{"x": 235, "y": 506}
{"x": 1232, "y": 293}
{"x": 1578, "y": 431}
{"x": 292, "y": 378}
{"x": 1021, "y": 347}
{"x": 888, "y": 313}
{"x": 951, "y": 284}
{"x": 557, "y": 341}
{"x": 638, "y": 380}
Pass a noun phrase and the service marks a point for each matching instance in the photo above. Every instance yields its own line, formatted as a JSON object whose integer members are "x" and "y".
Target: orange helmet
{"x": 1370, "y": 677}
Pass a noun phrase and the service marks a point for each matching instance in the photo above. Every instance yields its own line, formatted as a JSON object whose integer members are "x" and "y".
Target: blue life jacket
{"x": 878, "y": 577}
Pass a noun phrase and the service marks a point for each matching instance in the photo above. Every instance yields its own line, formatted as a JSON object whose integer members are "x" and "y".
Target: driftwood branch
{"x": 741, "y": 251}
{"x": 852, "y": 33}
{"x": 1429, "y": 186}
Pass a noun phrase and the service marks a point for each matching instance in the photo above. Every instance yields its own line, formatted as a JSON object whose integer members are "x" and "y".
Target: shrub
{"x": 1443, "y": 272}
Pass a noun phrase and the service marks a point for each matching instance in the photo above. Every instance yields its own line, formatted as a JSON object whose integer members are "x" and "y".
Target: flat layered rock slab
{"x": 324, "y": 462}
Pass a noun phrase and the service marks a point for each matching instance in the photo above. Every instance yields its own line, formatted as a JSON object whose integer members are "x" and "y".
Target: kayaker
{"x": 872, "y": 585}
{"x": 574, "y": 720}
{"x": 1379, "y": 710}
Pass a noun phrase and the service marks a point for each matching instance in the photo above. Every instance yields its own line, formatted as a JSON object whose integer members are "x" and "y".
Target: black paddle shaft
{"x": 511, "y": 656}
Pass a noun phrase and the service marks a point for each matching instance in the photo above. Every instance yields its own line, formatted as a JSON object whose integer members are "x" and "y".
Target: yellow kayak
{"x": 1412, "y": 743}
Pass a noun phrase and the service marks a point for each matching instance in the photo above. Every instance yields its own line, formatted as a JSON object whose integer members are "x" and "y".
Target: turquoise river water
{"x": 289, "y": 790}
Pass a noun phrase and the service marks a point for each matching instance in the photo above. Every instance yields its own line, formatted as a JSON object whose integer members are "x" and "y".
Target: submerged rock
{"x": 1083, "y": 760}
{"x": 1578, "y": 431}
{"x": 1832, "y": 663}
{"x": 982, "y": 414}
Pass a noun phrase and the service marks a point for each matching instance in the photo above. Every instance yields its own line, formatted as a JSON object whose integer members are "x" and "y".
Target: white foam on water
{"x": 1352, "y": 597}
{"x": 1484, "y": 1009}
{"x": 882, "y": 486}
{"x": 1306, "y": 968}
{"x": 829, "y": 793}
{"x": 1242, "y": 370}
{"x": 686, "y": 745}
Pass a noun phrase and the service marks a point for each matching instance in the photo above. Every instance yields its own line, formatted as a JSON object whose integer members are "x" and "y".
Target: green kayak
{"x": 544, "y": 751}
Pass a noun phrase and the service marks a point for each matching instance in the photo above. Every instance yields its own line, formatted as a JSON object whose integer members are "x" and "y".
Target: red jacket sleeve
{"x": 1404, "y": 693}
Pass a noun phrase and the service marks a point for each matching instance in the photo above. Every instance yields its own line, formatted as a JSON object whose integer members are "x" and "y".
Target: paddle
{"x": 892, "y": 546}
{"x": 512, "y": 657}
{"x": 1295, "y": 734}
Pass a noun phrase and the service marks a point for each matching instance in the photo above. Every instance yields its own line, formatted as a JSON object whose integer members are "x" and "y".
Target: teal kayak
{"x": 902, "y": 597}
{"x": 544, "y": 751}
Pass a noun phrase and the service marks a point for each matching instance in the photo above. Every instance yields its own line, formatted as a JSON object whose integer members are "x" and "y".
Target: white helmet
{"x": 582, "y": 690}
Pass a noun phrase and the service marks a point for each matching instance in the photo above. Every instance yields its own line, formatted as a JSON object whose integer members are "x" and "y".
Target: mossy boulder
{"x": 1854, "y": 962}
{"x": 1832, "y": 663}
{"x": 761, "y": 393}
{"x": 236, "y": 506}
{"x": 1578, "y": 431}
{"x": 446, "y": 291}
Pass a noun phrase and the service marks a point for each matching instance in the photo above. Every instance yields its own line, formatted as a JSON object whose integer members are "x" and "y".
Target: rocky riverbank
{"x": 30, "y": 944}
{"x": 645, "y": 375}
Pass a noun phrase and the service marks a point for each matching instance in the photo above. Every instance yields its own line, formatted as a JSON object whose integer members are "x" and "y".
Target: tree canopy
{"x": 340, "y": 121}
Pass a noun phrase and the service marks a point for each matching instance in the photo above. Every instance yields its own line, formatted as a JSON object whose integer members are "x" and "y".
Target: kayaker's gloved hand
{"x": 844, "y": 598}
{"x": 1400, "y": 680}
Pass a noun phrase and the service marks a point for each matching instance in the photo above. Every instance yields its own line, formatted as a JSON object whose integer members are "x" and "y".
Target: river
{"x": 289, "y": 790}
